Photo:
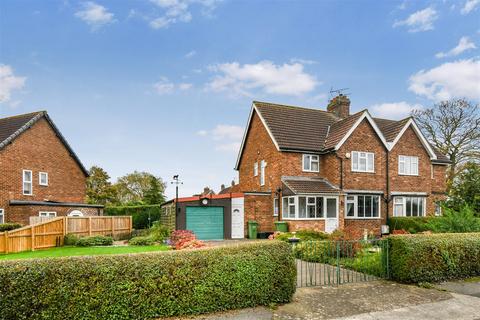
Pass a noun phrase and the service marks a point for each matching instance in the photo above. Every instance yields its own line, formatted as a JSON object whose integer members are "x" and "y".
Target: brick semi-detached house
{"x": 40, "y": 173}
{"x": 328, "y": 170}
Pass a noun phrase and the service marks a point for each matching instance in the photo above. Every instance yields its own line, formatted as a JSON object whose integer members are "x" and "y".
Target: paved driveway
{"x": 376, "y": 300}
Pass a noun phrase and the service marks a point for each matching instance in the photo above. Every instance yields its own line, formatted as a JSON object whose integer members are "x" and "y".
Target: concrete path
{"x": 376, "y": 300}
{"x": 469, "y": 287}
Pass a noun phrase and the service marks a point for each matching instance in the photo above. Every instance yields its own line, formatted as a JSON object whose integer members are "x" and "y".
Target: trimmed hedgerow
{"x": 9, "y": 226}
{"x": 139, "y": 214}
{"x": 410, "y": 224}
{"x": 434, "y": 257}
{"x": 94, "y": 241}
{"x": 148, "y": 285}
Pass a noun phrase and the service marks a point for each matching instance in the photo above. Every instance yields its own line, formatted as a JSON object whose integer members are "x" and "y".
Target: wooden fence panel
{"x": 50, "y": 233}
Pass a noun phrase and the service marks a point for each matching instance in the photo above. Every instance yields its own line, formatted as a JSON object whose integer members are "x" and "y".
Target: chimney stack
{"x": 339, "y": 106}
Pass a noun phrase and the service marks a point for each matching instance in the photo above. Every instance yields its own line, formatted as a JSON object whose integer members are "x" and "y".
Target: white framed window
{"x": 255, "y": 169}
{"x": 438, "y": 208}
{"x": 363, "y": 161}
{"x": 362, "y": 206}
{"x": 49, "y": 214}
{"x": 75, "y": 213}
{"x": 263, "y": 164}
{"x": 43, "y": 178}
{"x": 409, "y": 206}
{"x": 311, "y": 163}
{"x": 408, "y": 165}
{"x": 27, "y": 182}
{"x": 308, "y": 207}
{"x": 432, "y": 173}
{"x": 275, "y": 207}
{"x": 2, "y": 216}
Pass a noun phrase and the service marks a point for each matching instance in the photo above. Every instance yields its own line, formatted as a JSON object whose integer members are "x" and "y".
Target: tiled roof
{"x": 306, "y": 129}
{"x": 292, "y": 127}
{"x": 307, "y": 185}
{"x": 12, "y": 127}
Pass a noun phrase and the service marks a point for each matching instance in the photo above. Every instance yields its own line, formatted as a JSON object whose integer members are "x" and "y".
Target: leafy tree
{"x": 466, "y": 188}
{"x": 454, "y": 128}
{"x": 139, "y": 188}
{"x": 463, "y": 220}
{"x": 99, "y": 188}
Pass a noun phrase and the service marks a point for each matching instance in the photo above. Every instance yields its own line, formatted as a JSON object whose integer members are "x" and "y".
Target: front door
{"x": 331, "y": 220}
{"x": 237, "y": 218}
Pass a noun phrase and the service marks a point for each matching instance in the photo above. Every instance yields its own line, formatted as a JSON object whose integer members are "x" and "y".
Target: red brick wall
{"x": 40, "y": 150}
{"x": 22, "y": 214}
{"x": 259, "y": 146}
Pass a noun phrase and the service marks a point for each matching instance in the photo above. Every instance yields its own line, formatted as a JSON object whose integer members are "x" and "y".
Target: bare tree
{"x": 453, "y": 127}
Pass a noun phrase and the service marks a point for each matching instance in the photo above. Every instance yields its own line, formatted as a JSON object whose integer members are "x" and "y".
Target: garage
{"x": 205, "y": 222}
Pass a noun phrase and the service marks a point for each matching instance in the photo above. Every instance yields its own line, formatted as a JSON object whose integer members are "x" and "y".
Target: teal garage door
{"x": 205, "y": 222}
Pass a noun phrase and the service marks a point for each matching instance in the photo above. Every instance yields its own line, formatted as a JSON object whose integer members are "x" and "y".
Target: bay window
{"x": 408, "y": 165}
{"x": 310, "y": 163}
{"x": 409, "y": 206}
{"x": 308, "y": 207}
{"x": 362, "y": 206}
{"x": 363, "y": 161}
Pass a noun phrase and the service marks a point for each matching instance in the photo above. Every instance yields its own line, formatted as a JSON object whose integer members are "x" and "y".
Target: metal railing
{"x": 327, "y": 263}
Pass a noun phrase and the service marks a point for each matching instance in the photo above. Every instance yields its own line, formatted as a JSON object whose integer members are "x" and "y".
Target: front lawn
{"x": 81, "y": 251}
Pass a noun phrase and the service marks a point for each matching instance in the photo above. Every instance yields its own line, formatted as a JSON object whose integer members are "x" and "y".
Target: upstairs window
{"x": 363, "y": 161}
{"x": 310, "y": 163}
{"x": 27, "y": 182}
{"x": 255, "y": 169}
{"x": 43, "y": 179}
{"x": 408, "y": 165}
{"x": 263, "y": 164}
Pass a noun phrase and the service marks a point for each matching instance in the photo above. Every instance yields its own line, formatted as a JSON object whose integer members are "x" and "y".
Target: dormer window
{"x": 310, "y": 163}
{"x": 43, "y": 178}
{"x": 363, "y": 161}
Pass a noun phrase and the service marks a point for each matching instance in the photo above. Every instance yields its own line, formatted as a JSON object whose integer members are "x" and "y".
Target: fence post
{"x": 113, "y": 227}
{"x": 338, "y": 262}
{"x": 89, "y": 226}
{"x": 6, "y": 241}
{"x": 32, "y": 231}
{"x": 131, "y": 224}
{"x": 65, "y": 225}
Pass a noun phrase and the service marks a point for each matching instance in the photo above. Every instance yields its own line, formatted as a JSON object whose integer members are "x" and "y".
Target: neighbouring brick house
{"x": 40, "y": 173}
{"x": 328, "y": 170}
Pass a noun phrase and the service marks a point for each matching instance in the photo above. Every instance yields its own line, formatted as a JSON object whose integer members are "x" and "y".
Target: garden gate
{"x": 331, "y": 263}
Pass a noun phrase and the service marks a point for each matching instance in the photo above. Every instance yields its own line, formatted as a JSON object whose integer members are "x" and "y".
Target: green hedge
{"x": 9, "y": 226}
{"x": 434, "y": 257}
{"x": 139, "y": 214}
{"x": 148, "y": 285}
{"x": 410, "y": 224}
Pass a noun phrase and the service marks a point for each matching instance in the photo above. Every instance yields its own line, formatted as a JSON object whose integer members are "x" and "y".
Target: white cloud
{"x": 190, "y": 54}
{"x": 452, "y": 79}
{"x": 302, "y": 61}
{"x": 184, "y": 86}
{"x": 9, "y": 82}
{"x": 226, "y": 137}
{"x": 463, "y": 45}
{"x": 419, "y": 21}
{"x": 469, "y": 6}
{"x": 165, "y": 86}
{"x": 179, "y": 11}
{"x": 286, "y": 79}
{"x": 393, "y": 110}
{"x": 95, "y": 15}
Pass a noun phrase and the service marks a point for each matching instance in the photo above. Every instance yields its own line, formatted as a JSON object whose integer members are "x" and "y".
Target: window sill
{"x": 357, "y": 171}
{"x": 317, "y": 171}
{"x": 363, "y": 218}
{"x": 302, "y": 219}
{"x": 409, "y": 175}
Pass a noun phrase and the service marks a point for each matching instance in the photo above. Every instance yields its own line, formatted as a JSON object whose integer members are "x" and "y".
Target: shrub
{"x": 9, "y": 226}
{"x": 148, "y": 285}
{"x": 141, "y": 241}
{"x": 139, "y": 214}
{"x": 452, "y": 221}
{"x": 409, "y": 224}
{"x": 179, "y": 237}
{"x": 303, "y": 235}
{"x": 95, "y": 241}
{"x": 434, "y": 257}
{"x": 70, "y": 240}
{"x": 159, "y": 232}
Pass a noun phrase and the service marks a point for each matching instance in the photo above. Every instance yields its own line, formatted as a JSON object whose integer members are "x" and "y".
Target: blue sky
{"x": 166, "y": 86}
